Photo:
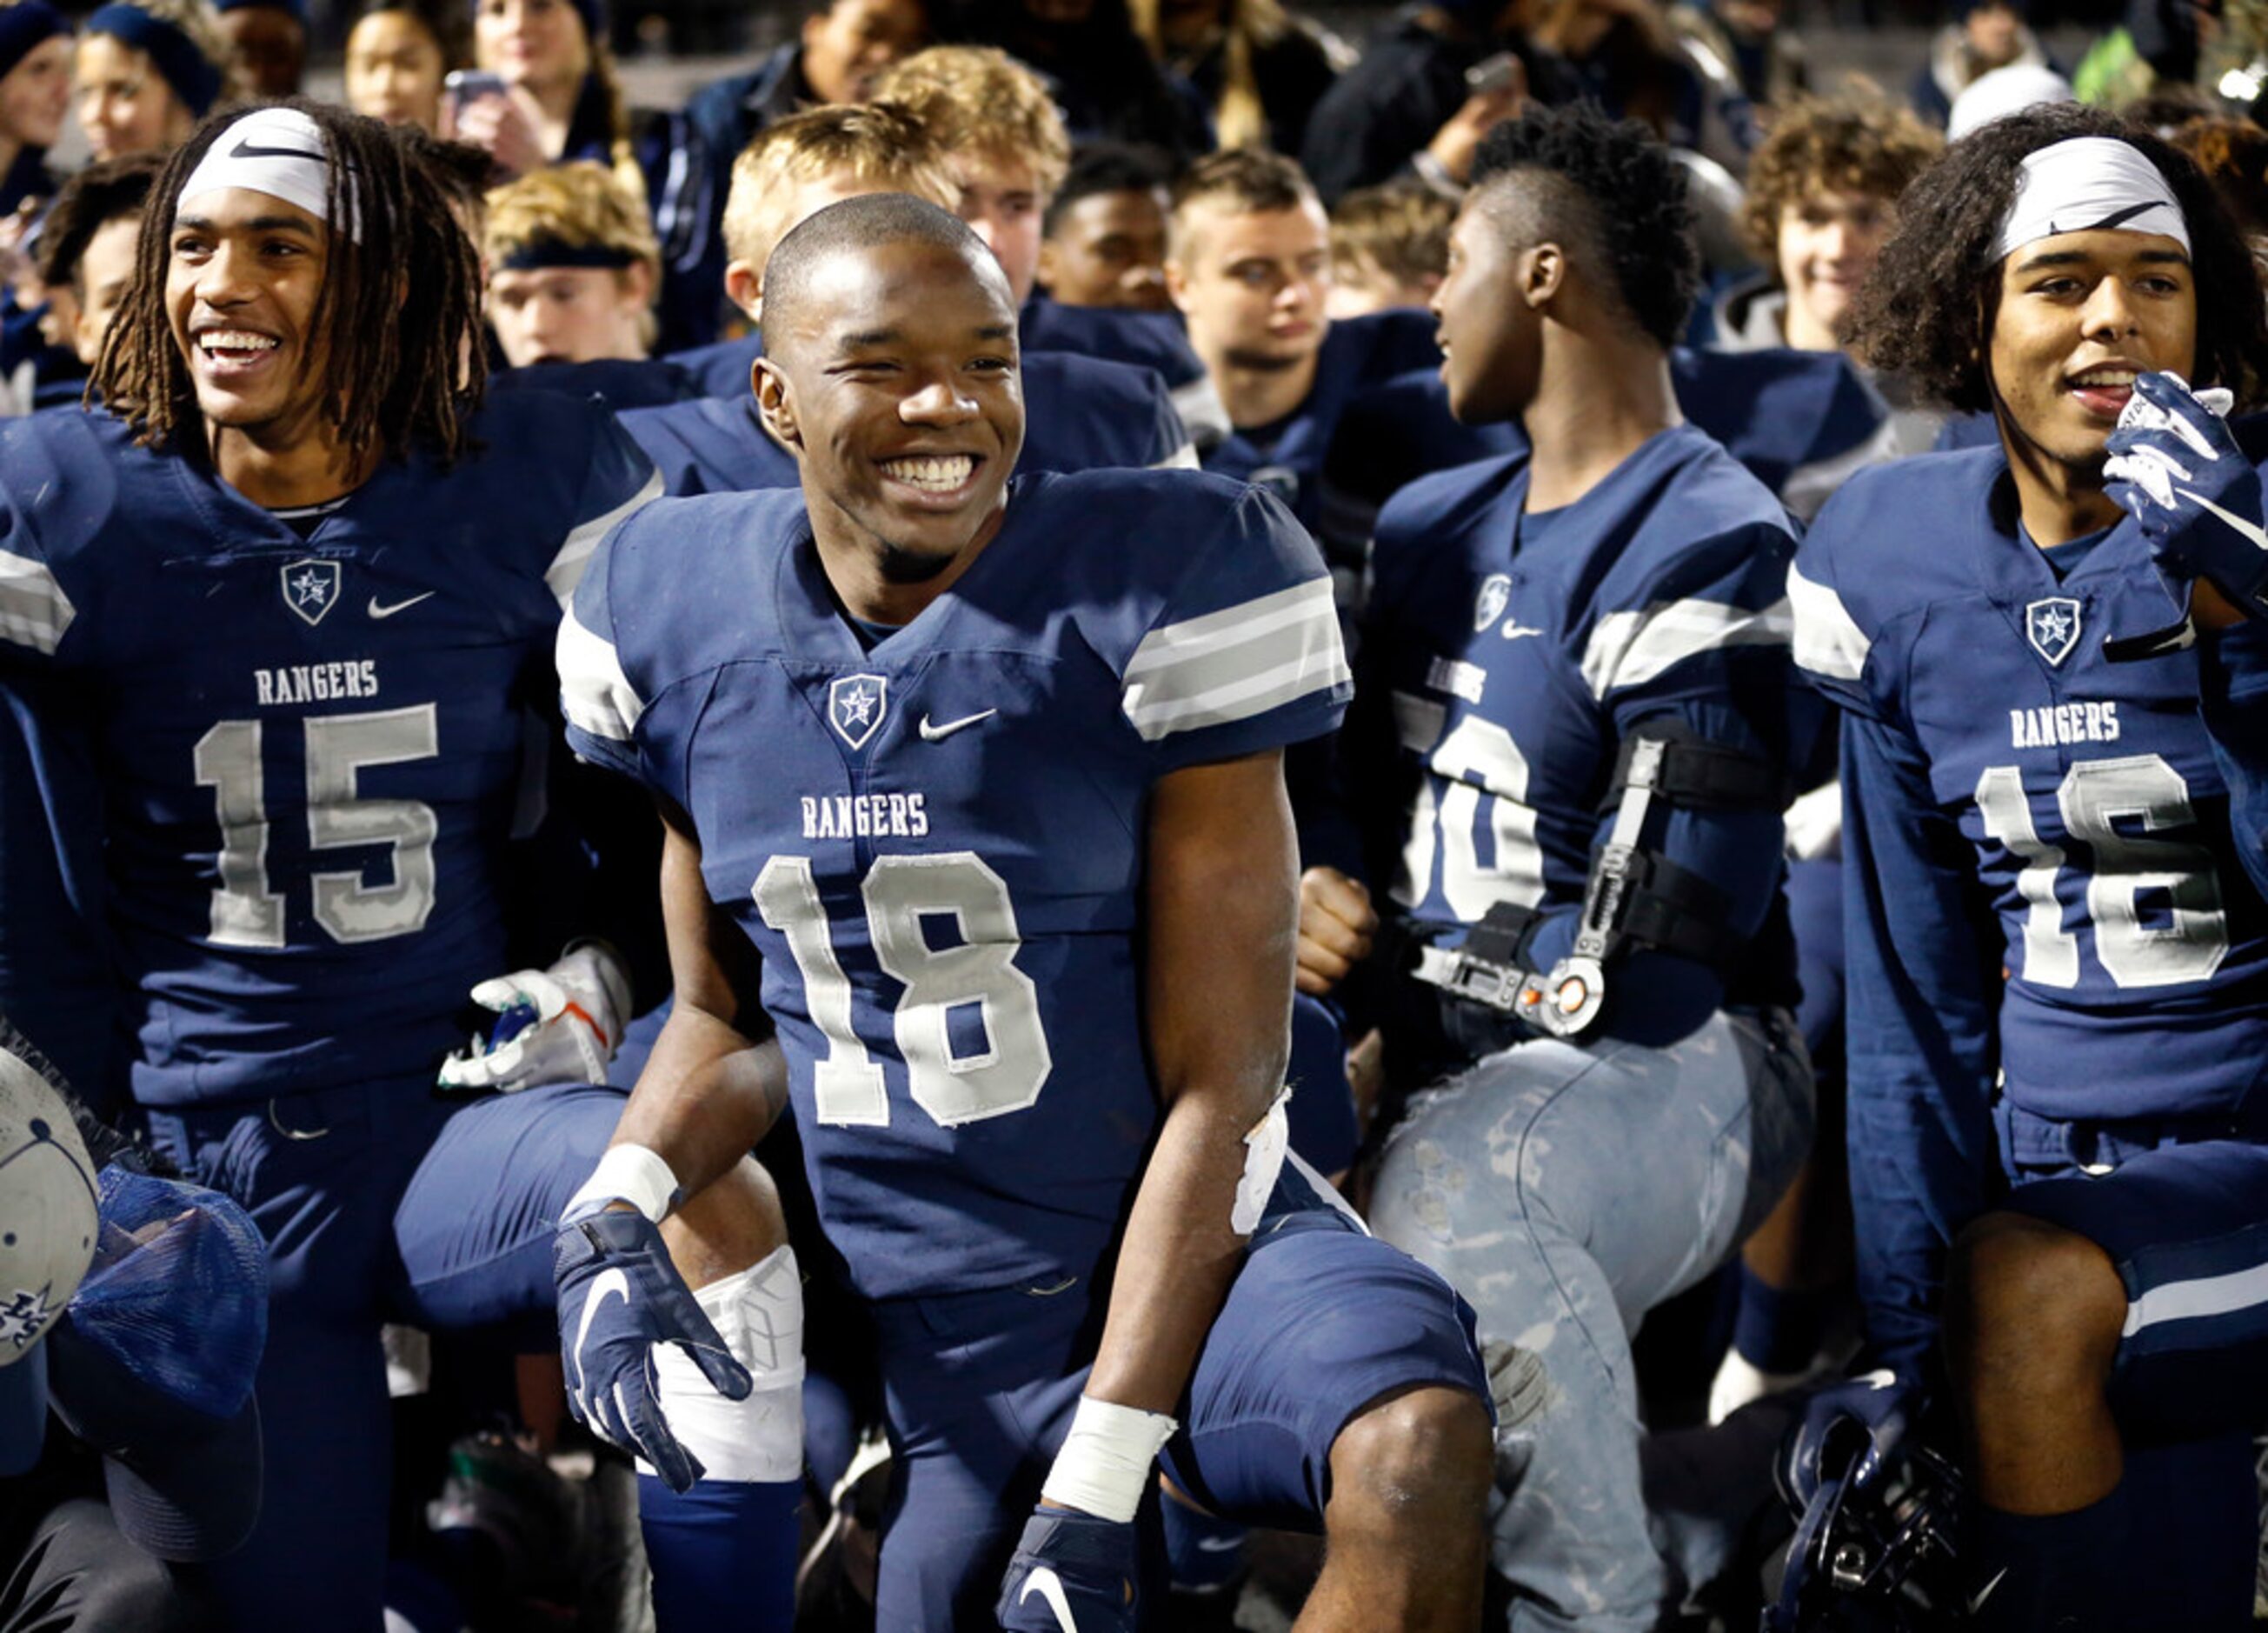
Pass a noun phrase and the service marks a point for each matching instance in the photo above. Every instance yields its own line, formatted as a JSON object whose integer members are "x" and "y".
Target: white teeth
{"x": 236, "y": 340}
{"x": 939, "y": 473}
{"x": 2107, "y": 377}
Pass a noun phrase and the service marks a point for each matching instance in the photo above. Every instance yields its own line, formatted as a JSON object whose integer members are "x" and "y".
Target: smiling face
{"x": 894, "y": 378}
{"x": 124, "y": 104}
{"x": 2080, "y": 314}
{"x": 1253, "y": 282}
{"x": 1828, "y": 242}
{"x": 35, "y": 94}
{"x": 393, "y": 70}
{"x": 243, "y": 273}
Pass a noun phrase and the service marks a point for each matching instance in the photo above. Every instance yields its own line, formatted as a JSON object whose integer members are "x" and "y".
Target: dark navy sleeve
{"x": 601, "y": 707}
{"x": 1920, "y": 1000}
{"x": 1170, "y": 446}
{"x": 619, "y": 481}
{"x": 1245, "y": 653}
{"x": 2233, "y": 687}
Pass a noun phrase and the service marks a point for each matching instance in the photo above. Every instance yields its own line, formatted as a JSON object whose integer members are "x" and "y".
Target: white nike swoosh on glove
{"x": 2251, "y": 532}
{"x": 615, "y": 1284}
{"x": 1044, "y": 1582}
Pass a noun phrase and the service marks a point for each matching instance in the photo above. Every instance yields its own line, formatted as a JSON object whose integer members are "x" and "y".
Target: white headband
{"x": 277, "y": 150}
{"x": 2088, "y": 184}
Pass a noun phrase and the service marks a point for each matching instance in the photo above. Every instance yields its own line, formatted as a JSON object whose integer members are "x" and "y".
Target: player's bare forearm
{"x": 711, "y": 1089}
{"x": 1221, "y": 918}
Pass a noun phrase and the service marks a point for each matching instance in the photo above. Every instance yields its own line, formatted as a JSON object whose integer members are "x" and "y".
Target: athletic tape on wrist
{"x": 626, "y": 1173}
{"x": 1108, "y": 1459}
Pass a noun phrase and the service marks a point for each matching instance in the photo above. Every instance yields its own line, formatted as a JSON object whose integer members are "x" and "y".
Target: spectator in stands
{"x": 1408, "y": 103}
{"x": 147, "y": 73}
{"x": 563, "y": 100}
{"x": 398, "y": 54}
{"x": 1822, "y": 193}
{"x": 87, "y": 251}
{"x": 270, "y": 37}
{"x": 834, "y": 57}
{"x": 1105, "y": 83}
{"x": 1622, "y": 56}
{"x": 1103, "y": 238}
{"x": 1389, "y": 248}
{"x": 2234, "y": 155}
{"x": 35, "y": 55}
{"x": 573, "y": 268}
{"x": 1984, "y": 35}
{"x": 1260, "y": 69}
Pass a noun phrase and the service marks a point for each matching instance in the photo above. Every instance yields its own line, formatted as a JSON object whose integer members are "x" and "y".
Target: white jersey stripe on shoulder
{"x": 1630, "y": 648}
{"x": 1828, "y": 639}
{"x": 2208, "y": 1296}
{"x": 566, "y": 569}
{"x": 597, "y": 696}
{"x": 1183, "y": 458}
{"x": 1236, "y": 663}
{"x": 34, "y": 611}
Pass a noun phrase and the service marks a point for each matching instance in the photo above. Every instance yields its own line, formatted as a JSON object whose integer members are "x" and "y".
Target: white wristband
{"x": 626, "y": 1173}
{"x": 1107, "y": 1459}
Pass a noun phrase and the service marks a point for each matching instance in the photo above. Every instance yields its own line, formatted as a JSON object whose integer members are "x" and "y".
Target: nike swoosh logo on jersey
{"x": 2251, "y": 533}
{"x": 245, "y": 148}
{"x": 1513, "y": 631}
{"x": 1044, "y": 1582}
{"x": 939, "y": 733}
{"x": 1219, "y": 1545}
{"x": 1985, "y": 1592}
{"x": 377, "y": 611}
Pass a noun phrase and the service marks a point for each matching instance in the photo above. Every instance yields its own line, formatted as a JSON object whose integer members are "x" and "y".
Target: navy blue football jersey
{"x": 1287, "y": 456}
{"x": 2043, "y": 888}
{"x": 1506, "y": 656}
{"x": 937, "y": 845}
{"x": 1079, "y": 415}
{"x": 308, "y": 747}
{"x": 619, "y": 382}
{"x": 1153, "y": 340}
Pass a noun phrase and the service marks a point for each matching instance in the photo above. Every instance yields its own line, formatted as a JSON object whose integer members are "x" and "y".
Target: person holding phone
{"x": 547, "y": 93}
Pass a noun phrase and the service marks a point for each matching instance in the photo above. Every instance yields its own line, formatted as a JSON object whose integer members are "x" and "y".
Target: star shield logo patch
{"x": 311, "y": 588}
{"x": 1496, "y": 590}
{"x": 2051, "y": 625}
{"x": 855, "y": 706}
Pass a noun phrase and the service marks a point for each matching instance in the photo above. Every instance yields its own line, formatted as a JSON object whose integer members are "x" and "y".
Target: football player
{"x": 2057, "y": 981}
{"x": 1248, "y": 263}
{"x": 1087, "y": 411}
{"x": 285, "y": 594}
{"x": 1576, "y": 667}
{"x": 974, "y": 785}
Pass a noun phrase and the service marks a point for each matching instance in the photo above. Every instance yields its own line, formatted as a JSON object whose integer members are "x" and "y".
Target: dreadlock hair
{"x": 1611, "y": 193}
{"x": 1926, "y": 313}
{"x": 397, "y": 313}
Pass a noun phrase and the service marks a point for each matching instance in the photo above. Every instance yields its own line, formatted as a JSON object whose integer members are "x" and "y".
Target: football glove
{"x": 620, "y": 1296}
{"x": 559, "y": 1025}
{"x": 1072, "y": 1573}
{"x": 1876, "y": 1409}
{"x": 2174, "y": 465}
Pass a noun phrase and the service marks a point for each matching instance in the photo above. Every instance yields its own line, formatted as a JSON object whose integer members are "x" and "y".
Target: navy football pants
{"x": 1322, "y": 1320}
{"x": 379, "y": 1203}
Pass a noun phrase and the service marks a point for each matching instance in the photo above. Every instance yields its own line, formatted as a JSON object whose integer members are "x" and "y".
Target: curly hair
{"x": 978, "y": 98}
{"x": 1617, "y": 198}
{"x": 1870, "y": 146}
{"x": 398, "y": 309}
{"x": 1926, "y": 312}
{"x": 2234, "y": 155}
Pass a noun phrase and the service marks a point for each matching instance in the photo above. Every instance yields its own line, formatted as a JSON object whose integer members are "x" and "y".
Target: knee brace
{"x": 759, "y": 1312}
